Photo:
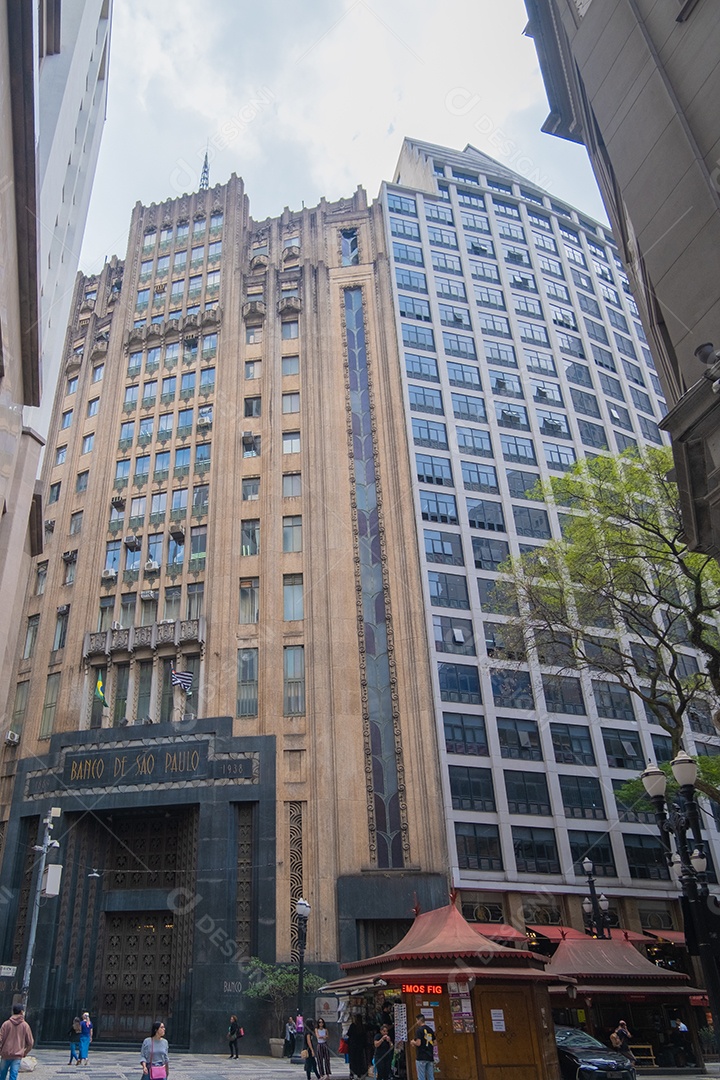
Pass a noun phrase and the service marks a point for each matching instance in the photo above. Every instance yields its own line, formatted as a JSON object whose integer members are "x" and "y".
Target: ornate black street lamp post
{"x": 302, "y": 910}
{"x": 681, "y": 818}
{"x": 594, "y": 906}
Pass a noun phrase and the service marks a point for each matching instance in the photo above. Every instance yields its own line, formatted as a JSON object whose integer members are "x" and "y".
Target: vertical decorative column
{"x": 295, "y": 821}
{"x": 383, "y": 752}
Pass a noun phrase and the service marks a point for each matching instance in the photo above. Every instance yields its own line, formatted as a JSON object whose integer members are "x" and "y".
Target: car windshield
{"x": 574, "y": 1037}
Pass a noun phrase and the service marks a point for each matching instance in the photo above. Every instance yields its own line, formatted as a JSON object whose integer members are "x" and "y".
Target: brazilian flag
{"x": 99, "y": 693}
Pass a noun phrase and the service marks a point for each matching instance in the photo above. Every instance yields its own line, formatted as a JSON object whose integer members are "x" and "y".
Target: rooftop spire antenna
{"x": 205, "y": 175}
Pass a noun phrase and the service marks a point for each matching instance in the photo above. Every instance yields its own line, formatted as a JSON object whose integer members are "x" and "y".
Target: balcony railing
{"x": 160, "y": 475}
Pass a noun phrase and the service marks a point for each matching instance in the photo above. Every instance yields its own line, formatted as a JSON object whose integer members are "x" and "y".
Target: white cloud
{"x": 343, "y": 83}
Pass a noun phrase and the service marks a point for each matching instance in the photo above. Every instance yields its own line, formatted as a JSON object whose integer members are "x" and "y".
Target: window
{"x": 198, "y": 547}
{"x": 519, "y": 739}
{"x": 19, "y": 707}
{"x": 612, "y": 700}
{"x": 195, "y": 599}
{"x": 291, "y": 442}
{"x": 478, "y": 846}
{"x": 247, "y": 682}
{"x": 408, "y": 253}
{"x": 453, "y": 635}
{"x": 293, "y": 680}
{"x": 249, "y": 600}
{"x": 250, "y": 537}
{"x": 535, "y": 850}
{"x": 467, "y": 407}
{"x": 350, "y": 254}
{"x": 459, "y": 683}
{"x": 128, "y": 603}
{"x": 291, "y": 403}
{"x": 518, "y": 450}
{"x": 582, "y": 797}
{"x": 40, "y": 578}
{"x": 473, "y": 441}
{"x": 478, "y": 477}
{"x": 563, "y": 695}
{"x": 252, "y": 406}
{"x": 98, "y": 372}
{"x": 594, "y": 846}
{"x": 646, "y": 857}
{"x": 448, "y": 590}
{"x": 437, "y": 506}
{"x": 292, "y": 597}
{"x": 471, "y": 788}
{"x": 486, "y": 514}
{"x": 93, "y": 407}
{"x": 443, "y": 547}
{"x": 512, "y": 689}
{"x": 60, "y": 455}
{"x": 31, "y": 633}
{"x": 433, "y": 470}
{"x": 461, "y": 375}
{"x": 149, "y": 603}
{"x": 292, "y": 486}
{"x": 292, "y": 533}
{"x": 289, "y": 330}
{"x": 173, "y": 596}
{"x": 531, "y": 521}
{"x": 465, "y": 734}
{"x": 52, "y": 690}
{"x": 87, "y": 444}
{"x": 418, "y": 337}
{"x": 559, "y": 458}
{"x": 572, "y": 744}
{"x": 523, "y": 485}
{"x": 250, "y": 488}
{"x": 527, "y": 792}
{"x": 623, "y": 750}
{"x": 54, "y": 492}
{"x": 72, "y": 386}
{"x": 291, "y": 365}
{"x": 489, "y": 554}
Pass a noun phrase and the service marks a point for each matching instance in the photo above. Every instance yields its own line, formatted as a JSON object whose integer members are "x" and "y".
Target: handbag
{"x": 343, "y": 1046}
{"x": 304, "y": 1054}
{"x": 156, "y": 1072}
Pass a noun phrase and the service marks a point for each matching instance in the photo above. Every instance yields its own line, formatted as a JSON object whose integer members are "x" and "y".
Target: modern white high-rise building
{"x": 53, "y": 89}
{"x": 522, "y": 352}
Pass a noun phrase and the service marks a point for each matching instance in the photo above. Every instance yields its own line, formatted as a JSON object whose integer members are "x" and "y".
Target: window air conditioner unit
{"x": 118, "y": 502}
{"x": 116, "y": 626}
{"x": 109, "y": 575}
{"x": 63, "y": 609}
{"x": 132, "y": 542}
{"x": 248, "y": 436}
{"x": 151, "y": 567}
{"x": 12, "y": 738}
{"x": 69, "y": 556}
{"x": 204, "y": 421}
{"x": 167, "y": 622}
{"x": 149, "y": 594}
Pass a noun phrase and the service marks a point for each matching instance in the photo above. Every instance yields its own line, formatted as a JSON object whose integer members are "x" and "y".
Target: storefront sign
{"x": 421, "y": 988}
{"x": 162, "y": 763}
{"x": 497, "y": 1017}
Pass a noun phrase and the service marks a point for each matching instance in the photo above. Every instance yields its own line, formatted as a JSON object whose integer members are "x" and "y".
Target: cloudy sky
{"x": 310, "y": 99}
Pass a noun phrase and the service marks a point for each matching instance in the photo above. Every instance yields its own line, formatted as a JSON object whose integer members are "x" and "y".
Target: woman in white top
{"x": 154, "y": 1053}
{"x": 323, "y": 1050}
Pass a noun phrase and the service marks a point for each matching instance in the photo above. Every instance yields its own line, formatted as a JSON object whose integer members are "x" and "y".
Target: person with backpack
{"x": 74, "y": 1039}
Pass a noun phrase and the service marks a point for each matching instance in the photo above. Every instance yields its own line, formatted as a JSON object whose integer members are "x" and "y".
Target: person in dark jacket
{"x": 16, "y": 1041}
{"x": 74, "y": 1040}
{"x": 357, "y": 1052}
{"x": 233, "y": 1036}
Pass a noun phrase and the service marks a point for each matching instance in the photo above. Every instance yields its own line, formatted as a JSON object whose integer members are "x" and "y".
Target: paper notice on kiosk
{"x": 497, "y": 1016}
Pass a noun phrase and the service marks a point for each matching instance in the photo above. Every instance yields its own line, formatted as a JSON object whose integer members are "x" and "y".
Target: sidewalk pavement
{"x": 124, "y": 1065}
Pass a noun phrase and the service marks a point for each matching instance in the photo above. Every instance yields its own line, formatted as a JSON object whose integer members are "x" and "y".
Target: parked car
{"x": 584, "y": 1058}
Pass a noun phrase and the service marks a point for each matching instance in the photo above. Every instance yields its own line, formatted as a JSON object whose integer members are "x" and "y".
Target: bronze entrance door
{"x": 135, "y": 983}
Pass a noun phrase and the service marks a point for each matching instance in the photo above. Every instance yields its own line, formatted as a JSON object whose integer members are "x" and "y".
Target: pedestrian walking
{"x": 424, "y": 1043}
{"x": 74, "y": 1039}
{"x": 289, "y": 1044}
{"x": 357, "y": 1055}
{"x": 154, "y": 1054}
{"x": 16, "y": 1041}
{"x": 233, "y": 1036}
{"x": 384, "y": 1049}
{"x": 323, "y": 1050}
{"x": 86, "y": 1034}
{"x": 309, "y": 1051}
{"x": 620, "y": 1040}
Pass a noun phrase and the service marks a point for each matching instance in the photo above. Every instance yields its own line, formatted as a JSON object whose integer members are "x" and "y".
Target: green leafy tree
{"x": 277, "y": 984}
{"x": 621, "y": 594}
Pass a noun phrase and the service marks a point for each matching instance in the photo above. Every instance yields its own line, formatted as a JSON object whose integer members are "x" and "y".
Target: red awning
{"x": 499, "y": 931}
{"x": 675, "y": 937}
{"x": 557, "y": 933}
{"x": 618, "y": 934}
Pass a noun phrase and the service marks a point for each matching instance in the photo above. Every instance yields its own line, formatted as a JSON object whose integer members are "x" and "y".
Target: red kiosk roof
{"x": 609, "y": 961}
